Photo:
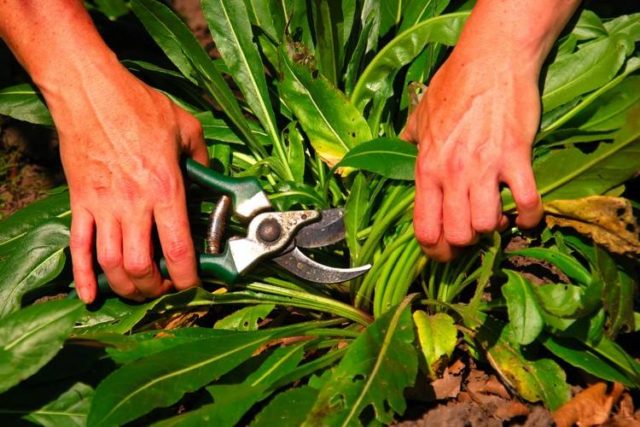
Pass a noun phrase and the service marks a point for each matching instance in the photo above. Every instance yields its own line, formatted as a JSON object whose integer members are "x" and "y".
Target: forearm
{"x": 520, "y": 32}
{"x": 55, "y": 41}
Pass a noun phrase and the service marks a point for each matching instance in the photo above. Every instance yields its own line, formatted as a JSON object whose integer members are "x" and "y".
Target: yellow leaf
{"x": 608, "y": 221}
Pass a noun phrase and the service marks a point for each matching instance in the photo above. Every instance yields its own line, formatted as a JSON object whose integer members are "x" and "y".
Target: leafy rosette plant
{"x": 310, "y": 97}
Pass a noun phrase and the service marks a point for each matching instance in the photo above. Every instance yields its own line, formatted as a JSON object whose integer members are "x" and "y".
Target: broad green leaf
{"x": 524, "y": 311}
{"x": 608, "y": 112}
{"x": 587, "y": 69}
{"x": 356, "y": 213}
{"x": 31, "y": 337}
{"x": 417, "y": 11}
{"x": 163, "y": 378}
{"x": 137, "y": 346}
{"x": 245, "y": 319}
{"x": 354, "y": 63}
{"x": 218, "y": 130}
{"x": 268, "y": 16}
{"x": 437, "y": 335}
{"x": 295, "y": 152}
{"x": 231, "y": 30}
{"x": 560, "y": 299}
{"x": 69, "y": 409}
{"x": 326, "y": 16}
{"x": 22, "y": 102}
{"x": 35, "y": 214}
{"x": 566, "y": 263}
{"x": 375, "y": 370}
{"x": 391, "y": 12}
{"x": 534, "y": 380}
{"x": 232, "y": 401}
{"x": 182, "y": 48}
{"x": 20, "y": 274}
{"x": 618, "y": 294}
{"x": 625, "y": 24}
{"x": 332, "y": 124}
{"x": 613, "y": 352}
{"x": 288, "y": 408}
{"x": 581, "y": 356}
{"x": 589, "y": 26}
{"x": 570, "y": 173}
{"x": 379, "y": 75}
{"x": 390, "y": 157}
{"x": 113, "y": 9}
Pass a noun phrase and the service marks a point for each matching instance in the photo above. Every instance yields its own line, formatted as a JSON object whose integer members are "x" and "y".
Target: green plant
{"x": 322, "y": 100}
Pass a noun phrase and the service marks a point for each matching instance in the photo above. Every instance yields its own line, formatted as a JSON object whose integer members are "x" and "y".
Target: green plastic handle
{"x": 246, "y": 193}
{"x": 219, "y": 266}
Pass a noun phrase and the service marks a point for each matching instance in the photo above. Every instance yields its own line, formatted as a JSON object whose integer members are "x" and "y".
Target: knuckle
{"x": 459, "y": 237}
{"x": 177, "y": 251}
{"x": 79, "y": 242}
{"x": 485, "y": 224}
{"x": 109, "y": 260}
{"x": 528, "y": 200}
{"x": 138, "y": 268}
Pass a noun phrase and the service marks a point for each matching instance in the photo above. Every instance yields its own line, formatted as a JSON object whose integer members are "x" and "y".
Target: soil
{"x": 465, "y": 395}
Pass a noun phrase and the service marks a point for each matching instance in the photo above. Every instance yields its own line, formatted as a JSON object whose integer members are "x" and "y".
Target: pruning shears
{"x": 273, "y": 236}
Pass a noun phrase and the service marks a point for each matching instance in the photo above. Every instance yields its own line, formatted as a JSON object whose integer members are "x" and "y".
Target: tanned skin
{"x": 120, "y": 143}
{"x": 476, "y": 124}
{"x": 121, "y": 140}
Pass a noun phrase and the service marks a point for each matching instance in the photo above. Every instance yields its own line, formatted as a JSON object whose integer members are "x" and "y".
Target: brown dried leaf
{"x": 608, "y": 221}
{"x": 589, "y": 407}
{"x": 448, "y": 386}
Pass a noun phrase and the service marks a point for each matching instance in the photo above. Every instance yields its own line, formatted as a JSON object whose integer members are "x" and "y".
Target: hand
{"x": 120, "y": 146}
{"x": 474, "y": 128}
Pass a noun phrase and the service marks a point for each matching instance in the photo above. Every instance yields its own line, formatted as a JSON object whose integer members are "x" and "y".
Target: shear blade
{"x": 327, "y": 231}
{"x": 304, "y": 267}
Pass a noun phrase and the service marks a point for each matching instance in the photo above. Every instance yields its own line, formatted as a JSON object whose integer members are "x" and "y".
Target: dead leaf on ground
{"x": 608, "y": 221}
{"x": 626, "y": 416}
{"x": 589, "y": 407}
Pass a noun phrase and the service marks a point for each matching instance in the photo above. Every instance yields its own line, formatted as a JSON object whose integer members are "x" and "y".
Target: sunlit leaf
{"x": 389, "y": 157}
{"x": 525, "y": 318}
{"x": 22, "y": 102}
{"x": 437, "y": 335}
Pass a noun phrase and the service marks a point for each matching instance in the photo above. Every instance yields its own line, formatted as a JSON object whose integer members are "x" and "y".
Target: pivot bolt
{"x": 270, "y": 230}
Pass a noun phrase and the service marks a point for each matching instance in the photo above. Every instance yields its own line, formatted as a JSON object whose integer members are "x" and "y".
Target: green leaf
{"x": 163, "y": 378}
{"x": 295, "y": 152}
{"x": 390, "y": 157}
{"x": 326, "y": 17}
{"x": 560, "y": 299}
{"x": 379, "y": 75}
{"x": 182, "y": 48}
{"x": 375, "y": 370}
{"x": 245, "y": 319}
{"x": 617, "y": 355}
{"x": 232, "y": 401}
{"x": 231, "y": 31}
{"x": 608, "y": 112}
{"x": 20, "y": 274}
{"x": 22, "y": 102}
{"x": 626, "y": 24}
{"x": 288, "y": 408}
{"x": 69, "y": 409}
{"x": 589, "y": 26}
{"x": 35, "y": 214}
{"x": 524, "y": 312}
{"x": 618, "y": 293}
{"x": 218, "y": 130}
{"x": 570, "y": 173}
{"x": 437, "y": 335}
{"x": 566, "y": 263}
{"x": 581, "y": 356}
{"x": 534, "y": 380}
{"x": 130, "y": 348}
{"x": 587, "y": 69}
{"x": 113, "y": 9}
{"x": 356, "y": 213}
{"x": 31, "y": 337}
{"x": 417, "y": 11}
{"x": 332, "y": 124}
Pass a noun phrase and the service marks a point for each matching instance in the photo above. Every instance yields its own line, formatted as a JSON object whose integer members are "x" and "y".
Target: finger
{"x": 138, "y": 257}
{"x": 81, "y": 246}
{"x": 193, "y": 138}
{"x": 109, "y": 244}
{"x": 175, "y": 239}
{"x": 408, "y": 134}
{"x": 504, "y": 223}
{"x": 442, "y": 251}
{"x": 456, "y": 215}
{"x": 427, "y": 213}
{"x": 486, "y": 209}
{"x": 522, "y": 184}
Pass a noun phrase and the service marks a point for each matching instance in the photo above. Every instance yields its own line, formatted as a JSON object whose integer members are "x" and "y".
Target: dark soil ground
{"x": 465, "y": 395}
